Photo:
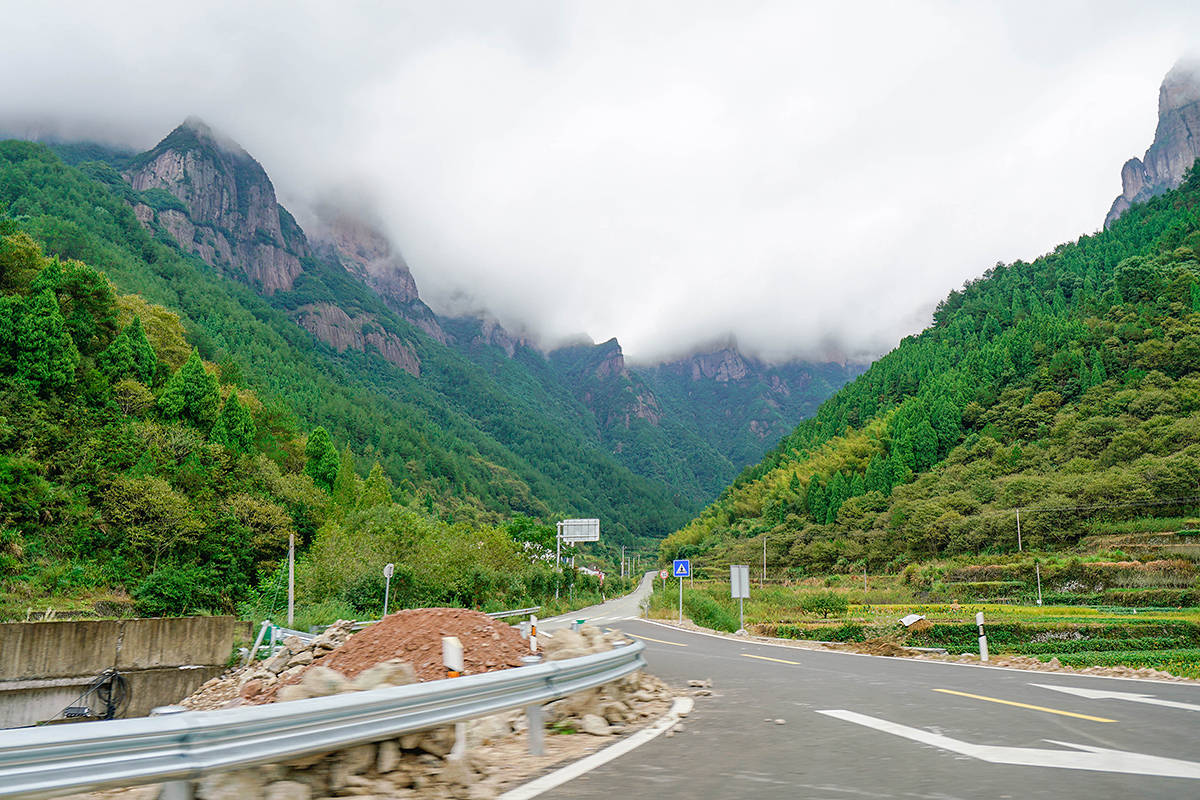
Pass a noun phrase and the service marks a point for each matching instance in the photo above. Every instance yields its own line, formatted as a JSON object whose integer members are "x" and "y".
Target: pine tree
{"x": 838, "y": 493}
{"x": 345, "y": 485}
{"x": 143, "y": 354}
{"x": 45, "y": 354}
{"x": 877, "y": 479}
{"x": 816, "y": 500}
{"x": 235, "y": 427}
{"x": 116, "y": 361}
{"x": 322, "y": 459}
{"x": 377, "y": 490}
{"x": 858, "y": 486}
{"x": 924, "y": 446}
{"x": 191, "y": 395}
{"x": 11, "y": 309}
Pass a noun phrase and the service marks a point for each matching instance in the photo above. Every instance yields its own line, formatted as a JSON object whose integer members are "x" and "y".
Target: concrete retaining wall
{"x": 45, "y": 666}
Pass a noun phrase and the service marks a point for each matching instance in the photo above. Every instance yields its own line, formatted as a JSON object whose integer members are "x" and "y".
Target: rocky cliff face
{"x": 367, "y": 253}
{"x": 332, "y": 325}
{"x": 1176, "y": 141}
{"x": 229, "y": 215}
{"x": 600, "y": 380}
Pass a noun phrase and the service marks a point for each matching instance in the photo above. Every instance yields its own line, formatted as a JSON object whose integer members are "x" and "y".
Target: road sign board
{"x": 662, "y": 573}
{"x": 389, "y": 570}
{"x": 739, "y": 581}
{"x": 579, "y": 530}
{"x": 681, "y": 568}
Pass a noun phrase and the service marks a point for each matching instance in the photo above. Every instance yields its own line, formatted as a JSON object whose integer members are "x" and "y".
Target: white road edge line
{"x": 679, "y": 709}
{"x": 749, "y": 641}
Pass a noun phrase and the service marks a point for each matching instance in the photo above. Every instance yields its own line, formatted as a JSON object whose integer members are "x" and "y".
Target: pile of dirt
{"x": 415, "y": 636}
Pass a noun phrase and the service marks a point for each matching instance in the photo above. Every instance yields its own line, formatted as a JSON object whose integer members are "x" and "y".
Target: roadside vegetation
{"x": 1136, "y": 606}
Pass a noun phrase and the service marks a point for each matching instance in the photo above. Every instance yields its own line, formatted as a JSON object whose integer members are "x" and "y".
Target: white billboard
{"x": 579, "y": 530}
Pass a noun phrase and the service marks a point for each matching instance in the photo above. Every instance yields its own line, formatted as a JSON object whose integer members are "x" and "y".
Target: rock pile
{"x": 415, "y": 764}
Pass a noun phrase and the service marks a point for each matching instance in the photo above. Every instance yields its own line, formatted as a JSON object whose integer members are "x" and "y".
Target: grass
{"x": 1162, "y": 638}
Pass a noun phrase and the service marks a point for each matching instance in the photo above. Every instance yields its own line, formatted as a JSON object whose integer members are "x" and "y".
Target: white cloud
{"x": 812, "y": 178}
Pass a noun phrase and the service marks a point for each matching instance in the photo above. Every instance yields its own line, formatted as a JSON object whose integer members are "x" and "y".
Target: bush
{"x": 825, "y": 603}
{"x": 176, "y": 591}
{"x": 706, "y": 611}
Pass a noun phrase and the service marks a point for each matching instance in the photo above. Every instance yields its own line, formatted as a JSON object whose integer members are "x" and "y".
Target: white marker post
{"x": 1038, "y": 567}
{"x": 983, "y": 651}
{"x": 452, "y": 658}
{"x": 533, "y": 634}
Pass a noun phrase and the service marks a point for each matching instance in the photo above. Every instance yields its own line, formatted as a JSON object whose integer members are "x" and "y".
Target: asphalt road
{"x": 865, "y": 726}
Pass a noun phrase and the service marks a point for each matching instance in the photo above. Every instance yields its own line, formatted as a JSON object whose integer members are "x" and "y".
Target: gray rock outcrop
{"x": 1176, "y": 141}
{"x": 228, "y": 215}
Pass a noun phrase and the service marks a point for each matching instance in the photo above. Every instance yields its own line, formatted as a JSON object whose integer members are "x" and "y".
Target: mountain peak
{"x": 1181, "y": 87}
{"x": 1176, "y": 143}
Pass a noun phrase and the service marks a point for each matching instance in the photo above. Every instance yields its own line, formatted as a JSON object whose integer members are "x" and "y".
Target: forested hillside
{"x": 464, "y": 443}
{"x": 134, "y": 474}
{"x": 1068, "y": 388}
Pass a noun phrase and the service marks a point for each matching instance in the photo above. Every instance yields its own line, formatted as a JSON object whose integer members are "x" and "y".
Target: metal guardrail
{"x": 43, "y": 762}
{"x": 514, "y": 613}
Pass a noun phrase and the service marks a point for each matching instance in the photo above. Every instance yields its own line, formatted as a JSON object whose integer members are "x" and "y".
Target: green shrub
{"x": 706, "y": 611}
{"x": 825, "y": 603}
{"x": 173, "y": 591}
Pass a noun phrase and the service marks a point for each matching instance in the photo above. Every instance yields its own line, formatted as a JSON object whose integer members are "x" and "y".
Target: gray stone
{"x": 458, "y": 772}
{"x": 288, "y": 790}
{"x": 594, "y": 725}
{"x": 276, "y": 663}
{"x": 236, "y": 785}
{"x": 487, "y": 730}
{"x": 294, "y": 691}
{"x": 301, "y": 659}
{"x": 322, "y": 682}
{"x": 388, "y": 673}
{"x": 388, "y": 758}
{"x": 357, "y": 759}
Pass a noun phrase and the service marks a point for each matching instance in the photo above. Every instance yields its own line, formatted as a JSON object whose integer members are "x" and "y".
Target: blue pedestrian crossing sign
{"x": 682, "y": 568}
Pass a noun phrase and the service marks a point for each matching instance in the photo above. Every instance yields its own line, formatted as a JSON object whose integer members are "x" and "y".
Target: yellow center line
{"x": 768, "y": 658}
{"x": 1026, "y": 705}
{"x": 660, "y": 641}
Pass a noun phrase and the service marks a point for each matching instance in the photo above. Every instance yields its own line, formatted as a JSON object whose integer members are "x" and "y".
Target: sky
{"x": 807, "y": 178}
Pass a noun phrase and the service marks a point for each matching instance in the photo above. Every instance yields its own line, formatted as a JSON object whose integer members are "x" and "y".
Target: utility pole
{"x": 558, "y": 556}
{"x": 1019, "y": 548}
{"x": 291, "y": 579}
{"x": 622, "y": 561}
{"x": 763, "y": 576}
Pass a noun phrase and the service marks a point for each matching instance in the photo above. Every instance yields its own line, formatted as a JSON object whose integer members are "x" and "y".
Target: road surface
{"x": 865, "y": 726}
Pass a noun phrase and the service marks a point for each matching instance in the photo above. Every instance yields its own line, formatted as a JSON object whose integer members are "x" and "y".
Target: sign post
{"x": 681, "y": 568}
{"x": 739, "y": 587}
{"x": 388, "y": 572}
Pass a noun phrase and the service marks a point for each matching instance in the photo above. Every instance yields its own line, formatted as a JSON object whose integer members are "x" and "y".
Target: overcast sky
{"x": 811, "y": 178}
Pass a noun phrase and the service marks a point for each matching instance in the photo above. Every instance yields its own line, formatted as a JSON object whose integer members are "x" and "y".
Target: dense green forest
{"x": 1068, "y": 388}
{"x": 468, "y": 442}
{"x": 133, "y": 472}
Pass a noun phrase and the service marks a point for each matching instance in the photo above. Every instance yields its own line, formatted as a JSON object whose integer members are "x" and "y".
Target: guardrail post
{"x": 173, "y": 790}
{"x": 535, "y": 717}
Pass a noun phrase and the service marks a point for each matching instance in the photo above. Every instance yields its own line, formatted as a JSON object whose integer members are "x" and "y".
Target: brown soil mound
{"x": 416, "y": 635}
